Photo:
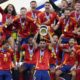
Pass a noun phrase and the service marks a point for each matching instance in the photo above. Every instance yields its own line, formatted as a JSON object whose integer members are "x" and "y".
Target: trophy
{"x": 43, "y": 30}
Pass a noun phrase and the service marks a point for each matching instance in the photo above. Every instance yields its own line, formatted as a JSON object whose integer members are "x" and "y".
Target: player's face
{"x": 10, "y": 8}
{"x": 42, "y": 45}
{"x": 71, "y": 42}
{"x": 30, "y": 41}
{"x": 64, "y": 4}
{"x": 55, "y": 39}
{"x": 77, "y": 6}
{"x": 23, "y": 11}
{"x": 67, "y": 13}
{"x": 33, "y": 5}
{"x": 47, "y": 6}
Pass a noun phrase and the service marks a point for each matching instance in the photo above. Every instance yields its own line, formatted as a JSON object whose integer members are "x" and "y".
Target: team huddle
{"x": 40, "y": 45}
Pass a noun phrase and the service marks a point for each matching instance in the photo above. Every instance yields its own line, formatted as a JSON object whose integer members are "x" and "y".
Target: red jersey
{"x": 42, "y": 61}
{"x": 7, "y": 29}
{"x": 17, "y": 56}
{"x": 56, "y": 50}
{"x": 29, "y": 54}
{"x": 23, "y": 26}
{"x": 76, "y": 15}
{"x": 2, "y": 37}
{"x": 68, "y": 26}
{"x": 50, "y": 17}
{"x": 5, "y": 60}
{"x": 33, "y": 15}
{"x": 78, "y": 56}
{"x": 69, "y": 58}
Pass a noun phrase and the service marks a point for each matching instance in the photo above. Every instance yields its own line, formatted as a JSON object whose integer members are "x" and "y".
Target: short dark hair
{"x": 65, "y": 1}
{"x": 78, "y": 1}
{"x": 47, "y": 2}
{"x": 44, "y": 40}
{"x": 31, "y": 36}
{"x": 32, "y": 2}
{"x": 23, "y": 8}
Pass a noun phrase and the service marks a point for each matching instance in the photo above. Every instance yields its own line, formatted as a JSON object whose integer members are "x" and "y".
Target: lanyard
{"x": 22, "y": 23}
{"x": 30, "y": 50}
{"x": 7, "y": 18}
{"x": 66, "y": 24}
{"x": 47, "y": 16}
{"x": 41, "y": 53}
{"x": 56, "y": 49}
{"x": 77, "y": 17}
{"x": 34, "y": 16}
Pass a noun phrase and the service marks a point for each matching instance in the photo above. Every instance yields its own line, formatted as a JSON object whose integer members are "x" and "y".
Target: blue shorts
{"x": 5, "y": 74}
{"x": 24, "y": 41}
{"x": 28, "y": 66}
{"x": 65, "y": 40}
{"x": 41, "y": 75}
{"x": 66, "y": 68}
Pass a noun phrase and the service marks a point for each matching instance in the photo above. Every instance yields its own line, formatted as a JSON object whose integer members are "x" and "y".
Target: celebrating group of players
{"x": 25, "y": 54}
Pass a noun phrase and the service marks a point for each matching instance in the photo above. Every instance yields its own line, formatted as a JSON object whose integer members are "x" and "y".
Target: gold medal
{"x": 31, "y": 55}
{"x": 22, "y": 27}
{"x": 41, "y": 57}
{"x": 5, "y": 57}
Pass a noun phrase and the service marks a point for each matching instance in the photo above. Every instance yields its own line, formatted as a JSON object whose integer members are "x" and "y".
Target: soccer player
{"x": 7, "y": 18}
{"x": 56, "y": 53}
{"x": 8, "y": 15}
{"x": 48, "y": 17}
{"x": 76, "y": 12}
{"x": 29, "y": 58}
{"x": 6, "y": 63}
{"x": 23, "y": 25}
{"x": 43, "y": 55}
{"x": 67, "y": 24}
{"x": 33, "y": 14}
{"x": 56, "y": 48}
{"x": 78, "y": 67}
{"x": 69, "y": 63}
{"x": 42, "y": 62}
{"x": 77, "y": 35}
{"x": 59, "y": 9}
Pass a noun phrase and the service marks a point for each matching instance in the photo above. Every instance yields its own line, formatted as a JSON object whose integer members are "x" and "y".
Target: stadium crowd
{"x": 40, "y": 45}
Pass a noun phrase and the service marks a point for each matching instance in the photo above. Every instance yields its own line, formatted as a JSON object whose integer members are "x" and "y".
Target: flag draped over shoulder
{"x": 42, "y": 6}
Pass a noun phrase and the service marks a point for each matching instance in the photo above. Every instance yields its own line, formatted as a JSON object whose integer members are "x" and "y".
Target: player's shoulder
{"x": 41, "y": 13}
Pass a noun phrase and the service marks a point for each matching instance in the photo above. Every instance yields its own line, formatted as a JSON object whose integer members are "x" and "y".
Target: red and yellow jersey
{"x": 69, "y": 58}
{"x": 7, "y": 28}
{"x": 23, "y": 26}
{"x": 76, "y": 16}
{"x": 45, "y": 18}
{"x": 29, "y": 56}
{"x": 56, "y": 55}
{"x": 78, "y": 56}
{"x": 6, "y": 60}
{"x": 68, "y": 26}
{"x": 34, "y": 16}
{"x": 5, "y": 16}
{"x": 42, "y": 62}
